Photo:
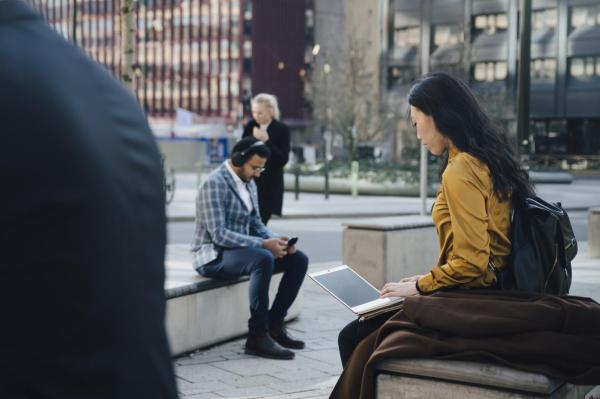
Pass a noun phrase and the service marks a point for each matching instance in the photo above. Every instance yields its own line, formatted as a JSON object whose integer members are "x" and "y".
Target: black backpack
{"x": 543, "y": 246}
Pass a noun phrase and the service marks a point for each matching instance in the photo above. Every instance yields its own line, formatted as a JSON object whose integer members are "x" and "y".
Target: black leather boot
{"x": 283, "y": 338}
{"x": 264, "y": 346}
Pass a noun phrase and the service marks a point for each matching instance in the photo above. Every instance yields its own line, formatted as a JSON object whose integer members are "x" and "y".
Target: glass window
{"x": 309, "y": 16}
{"x": 490, "y": 71}
{"x": 577, "y": 67}
{"x": 407, "y": 37}
{"x": 501, "y": 70}
{"x": 248, "y": 11}
{"x": 551, "y": 18}
{"x": 481, "y": 22}
{"x": 224, "y": 48}
{"x": 582, "y": 16}
{"x": 447, "y": 35}
{"x": 247, "y": 49}
{"x": 543, "y": 69}
{"x": 479, "y": 71}
{"x": 490, "y": 24}
{"x": 589, "y": 66}
{"x": 403, "y": 76}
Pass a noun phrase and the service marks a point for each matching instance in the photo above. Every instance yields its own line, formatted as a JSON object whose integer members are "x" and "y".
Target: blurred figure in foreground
{"x": 82, "y": 226}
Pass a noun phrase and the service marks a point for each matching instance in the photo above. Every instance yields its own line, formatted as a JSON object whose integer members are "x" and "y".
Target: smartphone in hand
{"x": 292, "y": 241}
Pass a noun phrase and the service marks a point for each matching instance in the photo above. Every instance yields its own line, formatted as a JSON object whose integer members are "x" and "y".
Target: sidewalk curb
{"x": 176, "y": 219}
{"x": 183, "y": 219}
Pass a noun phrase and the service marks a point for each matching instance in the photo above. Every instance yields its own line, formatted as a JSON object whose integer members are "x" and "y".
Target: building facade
{"x": 478, "y": 40}
{"x": 205, "y": 56}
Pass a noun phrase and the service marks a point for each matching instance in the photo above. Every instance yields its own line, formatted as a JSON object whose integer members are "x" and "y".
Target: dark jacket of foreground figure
{"x": 82, "y": 226}
{"x": 555, "y": 336}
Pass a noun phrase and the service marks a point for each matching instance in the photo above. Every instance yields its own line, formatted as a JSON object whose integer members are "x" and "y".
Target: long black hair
{"x": 459, "y": 116}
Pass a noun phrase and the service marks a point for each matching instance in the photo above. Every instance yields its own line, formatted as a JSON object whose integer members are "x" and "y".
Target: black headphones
{"x": 239, "y": 158}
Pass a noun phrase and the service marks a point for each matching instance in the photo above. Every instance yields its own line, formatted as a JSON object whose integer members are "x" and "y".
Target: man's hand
{"x": 401, "y": 289}
{"x": 291, "y": 249}
{"x": 277, "y": 246}
{"x": 260, "y": 134}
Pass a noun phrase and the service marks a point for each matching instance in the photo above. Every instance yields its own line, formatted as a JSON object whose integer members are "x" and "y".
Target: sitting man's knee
{"x": 263, "y": 259}
{"x": 301, "y": 260}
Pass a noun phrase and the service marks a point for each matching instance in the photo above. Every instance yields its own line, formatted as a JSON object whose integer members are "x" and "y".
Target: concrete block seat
{"x": 450, "y": 379}
{"x": 203, "y": 311}
{"x": 390, "y": 248}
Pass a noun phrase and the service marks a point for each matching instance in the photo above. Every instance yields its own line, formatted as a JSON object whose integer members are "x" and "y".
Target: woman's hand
{"x": 260, "y": 134}
{"x": 400, "y": 289}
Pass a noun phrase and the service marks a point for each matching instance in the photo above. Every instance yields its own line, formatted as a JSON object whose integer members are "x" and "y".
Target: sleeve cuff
{"x": 421, "y": 292}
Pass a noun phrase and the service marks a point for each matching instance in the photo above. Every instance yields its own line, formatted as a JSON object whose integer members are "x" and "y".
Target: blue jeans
{"x": 260, "y": 265}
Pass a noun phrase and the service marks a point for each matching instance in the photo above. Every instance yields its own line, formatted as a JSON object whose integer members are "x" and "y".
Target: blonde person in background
{"x": 266, "y": 127}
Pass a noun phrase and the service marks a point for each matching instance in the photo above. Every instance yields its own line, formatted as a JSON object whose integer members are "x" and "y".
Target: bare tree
{"x": 128, "y": 43}
{"x": 345, "y": 99}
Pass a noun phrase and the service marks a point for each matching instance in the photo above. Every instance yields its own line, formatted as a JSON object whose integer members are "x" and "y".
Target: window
{"x": 585, "y": 16}
{"x": 543, "y": 69}
{"x": 490, "y": 24}
{"x": 401, "y": 75}
{"x": 447, "y": 35}
{"x": 490, "y": 71}
{"x": 584, "y": 67}
{"x": 248, "y": 11}
{"x": 407, "y": 37}
{"x": 309, "y": 18}
{"x": 247, "y": 49}
{"x": 544, "y": 19}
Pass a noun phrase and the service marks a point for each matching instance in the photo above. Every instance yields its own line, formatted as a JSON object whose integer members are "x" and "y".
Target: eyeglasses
{"x": 258, "y": 169}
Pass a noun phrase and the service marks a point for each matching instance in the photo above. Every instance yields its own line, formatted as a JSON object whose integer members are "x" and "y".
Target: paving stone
{"x": 255, "y": 381}
{"x": 203, "y": 396}
{"x": 204, "y": 373}
{"x": 313, "y": 394}
{"x": 256, "y": 366}
{"x": 304, "y": 385}
{"x": 247, "y": 393}
{"x": 200, "y": 359}
{"x": 187, "y": 388}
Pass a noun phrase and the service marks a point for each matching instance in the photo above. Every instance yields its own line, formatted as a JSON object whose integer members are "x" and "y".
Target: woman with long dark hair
{"x": 480, "y": 178}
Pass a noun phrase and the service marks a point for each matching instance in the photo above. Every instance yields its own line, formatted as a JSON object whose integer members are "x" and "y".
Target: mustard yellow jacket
{"x": 472, "y": 224}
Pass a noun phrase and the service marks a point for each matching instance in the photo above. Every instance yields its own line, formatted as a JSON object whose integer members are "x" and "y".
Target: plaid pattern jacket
{"x": 222, "y": 219}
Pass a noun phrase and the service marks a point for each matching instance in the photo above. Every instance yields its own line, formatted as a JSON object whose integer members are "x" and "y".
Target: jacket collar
{"x": 452, "y": 152}
{"x": 231, "y": 183}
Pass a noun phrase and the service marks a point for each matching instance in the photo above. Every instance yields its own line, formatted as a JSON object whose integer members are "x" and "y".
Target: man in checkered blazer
{"x": 231, "y": 241}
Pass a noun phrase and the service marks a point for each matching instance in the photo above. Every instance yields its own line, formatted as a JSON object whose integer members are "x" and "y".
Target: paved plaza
{"x": 224, "y": 371}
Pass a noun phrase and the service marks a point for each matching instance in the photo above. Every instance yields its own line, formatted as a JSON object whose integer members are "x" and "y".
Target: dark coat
{"x": 270, "y": 183}
{"x": 82, "y": 226}
{"x": 551, "y": 335}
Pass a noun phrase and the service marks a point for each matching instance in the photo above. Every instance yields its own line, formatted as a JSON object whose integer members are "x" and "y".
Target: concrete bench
{"x": 202, "y": 311}
{"x": 388, "y": 249}
{"x": 594, "y": 232}
{"x": 426, "y": 378}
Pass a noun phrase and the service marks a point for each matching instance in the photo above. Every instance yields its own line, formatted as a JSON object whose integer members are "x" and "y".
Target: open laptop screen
{"x": 348, "y": 286}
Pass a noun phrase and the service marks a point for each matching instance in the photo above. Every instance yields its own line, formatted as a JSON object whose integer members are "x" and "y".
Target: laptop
{"x": 354, "y": 292}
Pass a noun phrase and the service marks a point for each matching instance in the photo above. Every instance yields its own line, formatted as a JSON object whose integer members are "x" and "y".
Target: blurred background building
{"x": 210, "y": 56}
{"x": 205, "y": 56}
{"x": 477, "y": 39}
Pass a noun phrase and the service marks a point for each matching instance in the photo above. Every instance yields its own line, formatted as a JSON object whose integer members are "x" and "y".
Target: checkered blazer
{"x": 222, "y": 219}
